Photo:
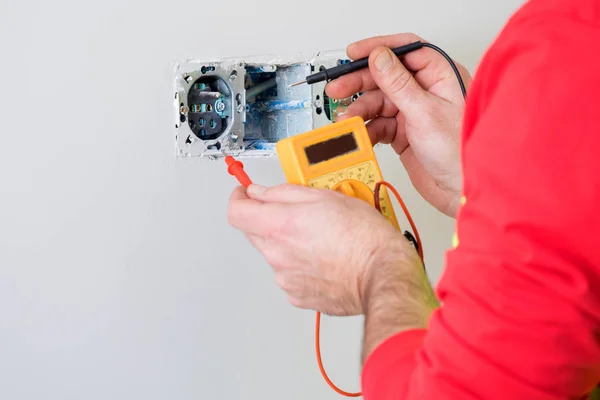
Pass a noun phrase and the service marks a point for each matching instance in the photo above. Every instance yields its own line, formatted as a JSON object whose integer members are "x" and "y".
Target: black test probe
{"x": 344, "y": 69}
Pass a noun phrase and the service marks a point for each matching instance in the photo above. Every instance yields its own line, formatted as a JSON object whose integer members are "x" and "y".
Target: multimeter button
{"x": 323, "y": 182}
{"x": 352, "y": 172}
{"x": 354, "y": 188}
{"x": 331, "y": 180}
{"x": 383, "y": 204}
{"x": 363, "y": 169}
{"x": 371, "y": 179}
{"x": 358, "y": 172}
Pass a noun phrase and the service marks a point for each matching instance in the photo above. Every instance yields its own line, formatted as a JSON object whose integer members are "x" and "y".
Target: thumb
{"x": 286, "y": 193}
{"x": 397, "y": 82}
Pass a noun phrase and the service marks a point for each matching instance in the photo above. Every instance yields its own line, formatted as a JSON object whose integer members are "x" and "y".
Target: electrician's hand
{"x": 417, "y": 110}
{"x": 322, "y": 245}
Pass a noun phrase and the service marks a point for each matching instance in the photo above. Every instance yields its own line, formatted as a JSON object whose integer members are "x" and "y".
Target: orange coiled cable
{"x": 318, "y": 321}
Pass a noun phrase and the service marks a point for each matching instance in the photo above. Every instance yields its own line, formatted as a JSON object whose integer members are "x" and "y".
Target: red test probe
{"x": 236, "y": 168}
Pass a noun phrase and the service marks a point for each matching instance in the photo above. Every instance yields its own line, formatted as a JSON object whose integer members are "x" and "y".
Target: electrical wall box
{"x": 243, "y": 107}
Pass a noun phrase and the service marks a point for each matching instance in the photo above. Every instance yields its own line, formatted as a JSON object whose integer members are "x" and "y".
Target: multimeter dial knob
{"x": 355, "y": 188}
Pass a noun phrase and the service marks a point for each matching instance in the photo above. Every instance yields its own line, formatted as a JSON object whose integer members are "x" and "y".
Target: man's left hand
{"x": 322, "y": 245}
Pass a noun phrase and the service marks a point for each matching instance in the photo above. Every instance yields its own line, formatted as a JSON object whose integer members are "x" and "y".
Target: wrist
{"x": 398, "y": 276}
{"x": 396, "y": 296}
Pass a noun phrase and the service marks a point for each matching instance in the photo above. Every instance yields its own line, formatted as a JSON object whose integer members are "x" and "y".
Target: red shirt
{"x": 521, "y": 292}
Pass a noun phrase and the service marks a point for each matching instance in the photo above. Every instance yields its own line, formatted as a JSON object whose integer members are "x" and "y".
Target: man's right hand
{"x": 417, "y": 110}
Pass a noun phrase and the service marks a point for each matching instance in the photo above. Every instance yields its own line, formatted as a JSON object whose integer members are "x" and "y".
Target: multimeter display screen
{"x": 331, "y": 148}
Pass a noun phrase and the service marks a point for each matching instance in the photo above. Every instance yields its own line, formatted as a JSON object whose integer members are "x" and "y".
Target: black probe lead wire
{"x": 452, "y": 64}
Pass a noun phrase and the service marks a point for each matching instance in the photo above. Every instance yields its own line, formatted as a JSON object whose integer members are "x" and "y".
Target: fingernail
{"x": 384, "y": 61}
{"x": 256, "y": 190}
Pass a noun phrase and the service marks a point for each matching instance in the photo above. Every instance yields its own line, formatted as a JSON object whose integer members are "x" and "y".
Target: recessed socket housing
{"x": 243, "y": 107}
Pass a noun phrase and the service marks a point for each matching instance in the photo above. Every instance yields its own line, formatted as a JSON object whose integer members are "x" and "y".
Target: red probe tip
{"x": 236, "y": 168}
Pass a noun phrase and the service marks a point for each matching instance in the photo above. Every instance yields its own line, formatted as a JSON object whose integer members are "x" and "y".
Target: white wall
{"x": 119, "y": 276}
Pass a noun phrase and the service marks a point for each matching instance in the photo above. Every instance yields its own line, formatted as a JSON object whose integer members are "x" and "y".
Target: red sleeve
{"x": 521, "y": 293}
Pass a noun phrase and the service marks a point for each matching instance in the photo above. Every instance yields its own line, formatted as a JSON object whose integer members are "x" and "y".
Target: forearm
{"x": 397, "y": 297}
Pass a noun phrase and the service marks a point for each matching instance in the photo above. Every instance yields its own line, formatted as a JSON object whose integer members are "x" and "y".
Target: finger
{"x": 370, "y": 105}
{"x": 442, "y": 73}
{"x": 253, "y": 216}
{"x": 387, "y": 131}
{"x": 348, "y": 85}
{"x": 323, "y": 305}
{"x": 310, "y": 303}
{"x": 257, "y": 241}
{"x": 364, "y": 47}
{"x": 286, "y": 193}
{"x": 295, "y": 283}
{"x": 278, "y": 256}
{"x": 415, "y": 61}
{"x": 382, "y": 130}
{"x": 428, "y": 70}
{"x": 397, "y": 83}
{"x": 240, "y": 204}
{"x": 301, "y": 286}
{"x": 239, "y": 193}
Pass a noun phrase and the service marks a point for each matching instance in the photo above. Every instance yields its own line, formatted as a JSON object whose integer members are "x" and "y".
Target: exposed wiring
{"x": 261, "y": 87}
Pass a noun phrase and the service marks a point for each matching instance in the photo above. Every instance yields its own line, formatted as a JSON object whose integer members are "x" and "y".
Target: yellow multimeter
{"x": 339, "y": 157}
